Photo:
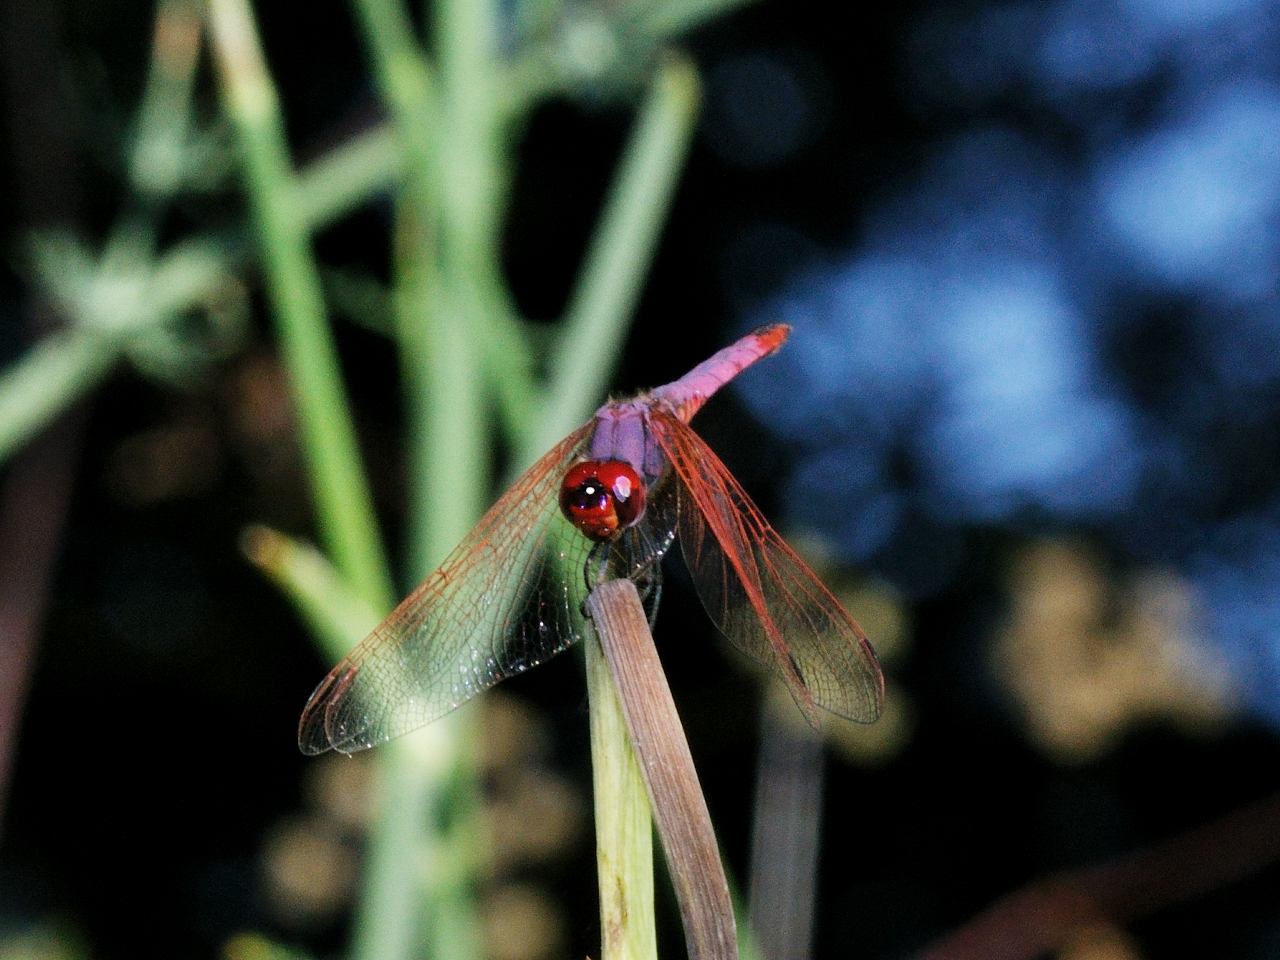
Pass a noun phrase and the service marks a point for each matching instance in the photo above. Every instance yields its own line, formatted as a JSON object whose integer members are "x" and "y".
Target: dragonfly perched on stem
{"x": 606, "y": 501}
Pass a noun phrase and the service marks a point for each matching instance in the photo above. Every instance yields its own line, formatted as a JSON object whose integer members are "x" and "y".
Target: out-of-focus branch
{"x": 33, "y": 500}
{"x": 787, "y": 824}
{"x": 1043, "y": 916}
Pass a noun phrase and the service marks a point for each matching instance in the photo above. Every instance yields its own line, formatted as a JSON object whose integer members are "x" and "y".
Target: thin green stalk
{"x": 403, "y": 854}
{"x": 620, "y": 252}
{"x": 624, "y": 825}
{"x": 437, "y": 372}
{"x": 305, "y": 575}
{"x": 347, "y": 176}
{"x": 343, "y": 503}
{"x": 471, "y": 151}
{"x": 163, "y": 123}
{"x": 473, "y": 157}
{"x": 439, "y": 245}
{"x": 325, "y": 191}
{"x": 675, "y": 17}
{"x": 448, "y": 456}
{"x": 50, "y": 377}
{"x": 406, "y": 880}
{"x": 410, "y": 87}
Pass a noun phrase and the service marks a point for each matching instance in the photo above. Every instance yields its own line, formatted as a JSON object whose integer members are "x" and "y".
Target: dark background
{"x": 1030, "y": 252}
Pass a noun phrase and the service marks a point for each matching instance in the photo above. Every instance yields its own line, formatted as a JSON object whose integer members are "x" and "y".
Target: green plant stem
{"x": 470, "y": 152}
{"x": 448, "y": 460}
{"x": 624, "y": 825}
{"x": 432, "y": 329}
{"x": 334, "y": 613}
{"x": 403, "y": 854}
{"x": 407, "y": 879}
{"x": 473, "y": 166}
{"x": 408, "y": 85}
{"x": 443, "y": 247}
{"x": 621, "y": 249}
{"x": 424, "y": 124}
{"x": 675, "y": 17}
{"x": 342, "y": 499}
{"x": 347, "y": 176}
{"x": 49, "y": 378}
{"x": 163, "y": 123}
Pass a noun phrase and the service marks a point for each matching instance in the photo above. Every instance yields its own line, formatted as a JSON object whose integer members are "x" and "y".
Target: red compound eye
{"x": 602, "y": 497}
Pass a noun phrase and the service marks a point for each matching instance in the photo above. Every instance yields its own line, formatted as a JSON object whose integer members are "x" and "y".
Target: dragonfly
{"x": 607, "y": 501}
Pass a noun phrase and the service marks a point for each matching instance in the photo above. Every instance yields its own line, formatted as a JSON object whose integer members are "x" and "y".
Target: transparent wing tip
{"x": 860, "y": 699}
{"x": 322, "y": 727}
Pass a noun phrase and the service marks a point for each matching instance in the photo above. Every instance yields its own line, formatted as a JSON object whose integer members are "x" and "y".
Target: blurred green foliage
{"x": 446, "y": 156}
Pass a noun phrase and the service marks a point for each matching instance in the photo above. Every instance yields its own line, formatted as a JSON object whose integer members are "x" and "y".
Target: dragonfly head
{"x": 602, "y": 497}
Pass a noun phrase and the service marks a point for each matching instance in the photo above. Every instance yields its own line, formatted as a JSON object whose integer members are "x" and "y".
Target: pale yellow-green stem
{"x": 624, "y": 826}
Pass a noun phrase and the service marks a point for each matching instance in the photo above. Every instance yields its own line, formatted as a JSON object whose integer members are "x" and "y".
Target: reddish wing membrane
{"x": 508, "y": 597}
{"x": 762, "y": 596}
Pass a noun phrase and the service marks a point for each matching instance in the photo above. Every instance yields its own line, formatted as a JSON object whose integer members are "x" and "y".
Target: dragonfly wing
{"x": 637, "y": 554}
{"x": 507, "y": 598}
{"x": 760, "y": 595}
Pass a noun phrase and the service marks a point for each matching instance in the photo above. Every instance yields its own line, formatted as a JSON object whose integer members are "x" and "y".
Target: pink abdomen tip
{"x": 773, "y": 336}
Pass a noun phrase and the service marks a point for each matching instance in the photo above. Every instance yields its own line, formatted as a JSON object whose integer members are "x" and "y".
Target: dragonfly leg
{"x": 648, "y": 582}
{"x": 595, "y": 569}
{"x": 652, "y": 596}
{"x": 598, "y": 565}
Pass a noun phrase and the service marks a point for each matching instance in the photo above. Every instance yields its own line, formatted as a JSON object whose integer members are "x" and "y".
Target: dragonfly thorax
{"x": 602, "y": 497}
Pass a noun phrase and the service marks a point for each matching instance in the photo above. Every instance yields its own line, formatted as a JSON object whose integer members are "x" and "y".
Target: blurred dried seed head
{"x": 1086, "y": 656}
{"x": 262, "y": 431}
{"x": 1100, "y": 941}
{"x": 535, "y": 816}
{"x": 178, "y": 459}
{"x": 521, "y": 923}
{"x": 512, "y": 733}
{"x": 340, "y": 789}
{"x": 309, "y": 871}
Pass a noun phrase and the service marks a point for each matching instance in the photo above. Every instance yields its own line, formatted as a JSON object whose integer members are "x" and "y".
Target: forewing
{"x": 762, "y": 596}
{"x": 508, "y": 597}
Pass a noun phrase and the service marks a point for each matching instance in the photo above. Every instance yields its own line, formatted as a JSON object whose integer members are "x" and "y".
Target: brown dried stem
{"x": 1043, "y": 916}
{"x": 657, "y": 737}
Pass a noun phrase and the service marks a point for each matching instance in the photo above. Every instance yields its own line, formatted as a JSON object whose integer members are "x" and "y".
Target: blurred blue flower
{"x": 1236, "y": 574}
{"x": 762, "y": 107}
{"x": 1197, "y": 202}
{"x": 1064, "y": 322}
